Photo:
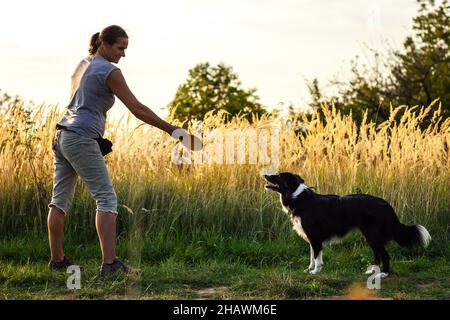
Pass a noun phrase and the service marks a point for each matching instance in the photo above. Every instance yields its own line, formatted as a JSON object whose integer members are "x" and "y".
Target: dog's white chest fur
{"x": 285, "y": 209}
{"x": 297, "y": 223}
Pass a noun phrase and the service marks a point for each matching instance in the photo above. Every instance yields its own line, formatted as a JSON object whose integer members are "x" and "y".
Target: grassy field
{"x": 231, "y": 269}
{"x": 211, "y": 230}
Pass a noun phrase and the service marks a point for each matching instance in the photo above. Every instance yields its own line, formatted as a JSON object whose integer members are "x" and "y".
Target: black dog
{"x": 320, "y": 218}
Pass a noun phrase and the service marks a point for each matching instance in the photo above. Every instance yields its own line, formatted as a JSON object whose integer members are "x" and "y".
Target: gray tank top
{"x": 90, "y": 98}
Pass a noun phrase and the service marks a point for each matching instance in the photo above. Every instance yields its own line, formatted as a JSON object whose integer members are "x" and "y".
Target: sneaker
{"x": 60, "y": 265}
{"x": 117, "y": 265}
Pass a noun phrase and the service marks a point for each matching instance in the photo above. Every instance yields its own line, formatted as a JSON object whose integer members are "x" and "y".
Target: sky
{"x": 273, "y": 45}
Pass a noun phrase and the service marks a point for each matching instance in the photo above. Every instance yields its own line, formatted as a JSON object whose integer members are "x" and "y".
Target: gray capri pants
{"x": 75, "y": 155}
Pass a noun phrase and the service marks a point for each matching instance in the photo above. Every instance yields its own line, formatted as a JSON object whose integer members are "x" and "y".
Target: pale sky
{"x": 273, "y": 45}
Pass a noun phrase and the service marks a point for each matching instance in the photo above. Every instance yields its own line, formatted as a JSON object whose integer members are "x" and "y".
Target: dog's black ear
{"x": 293, "y": 181}
{"x": 299, "y": 179}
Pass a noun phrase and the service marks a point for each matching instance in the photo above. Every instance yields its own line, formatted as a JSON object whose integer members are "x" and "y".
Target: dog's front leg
{"x": 318, "y": 262}
{"x": 311, "y": 260}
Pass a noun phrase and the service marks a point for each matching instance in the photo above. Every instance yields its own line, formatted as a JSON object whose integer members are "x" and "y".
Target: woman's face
{"x": 116, "y": 51}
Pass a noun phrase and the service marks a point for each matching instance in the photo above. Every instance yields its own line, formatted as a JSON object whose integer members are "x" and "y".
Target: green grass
{"x": 225, "y": 269}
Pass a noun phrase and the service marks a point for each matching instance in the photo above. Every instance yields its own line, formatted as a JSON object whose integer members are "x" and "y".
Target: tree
{"x": 213, "y": 88}
{"x": 423, "y": 73}
{"x": 417, "y": 75}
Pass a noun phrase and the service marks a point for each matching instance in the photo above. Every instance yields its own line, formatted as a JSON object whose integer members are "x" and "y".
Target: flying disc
{"x": 188, "y": 140}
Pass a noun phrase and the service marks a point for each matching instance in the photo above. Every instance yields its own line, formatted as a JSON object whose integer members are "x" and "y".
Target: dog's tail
{"x": 411, "y": 236}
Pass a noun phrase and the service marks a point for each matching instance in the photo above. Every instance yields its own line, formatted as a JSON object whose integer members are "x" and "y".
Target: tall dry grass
{"x": 398, "y": 161}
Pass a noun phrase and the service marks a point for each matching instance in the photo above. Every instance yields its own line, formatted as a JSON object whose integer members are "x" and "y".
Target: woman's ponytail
{"x": 94, "y": 43}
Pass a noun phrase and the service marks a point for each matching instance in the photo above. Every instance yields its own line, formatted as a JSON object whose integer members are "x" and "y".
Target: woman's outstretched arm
{"x": 116, "y": 82}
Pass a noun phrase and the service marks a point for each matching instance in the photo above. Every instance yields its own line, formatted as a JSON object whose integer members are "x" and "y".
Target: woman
{"x": 76, "y": 152}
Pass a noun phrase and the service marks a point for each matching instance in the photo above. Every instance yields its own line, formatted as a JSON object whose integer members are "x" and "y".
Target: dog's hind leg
{"x": 377, "y": 256}
{"x": 378, "y": 250}
{"x": 380, "y": 253}
{"x": 385, "y": 258}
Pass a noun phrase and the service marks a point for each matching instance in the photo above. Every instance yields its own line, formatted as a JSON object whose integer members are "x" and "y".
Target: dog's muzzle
{"x": 272, "y": 185}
